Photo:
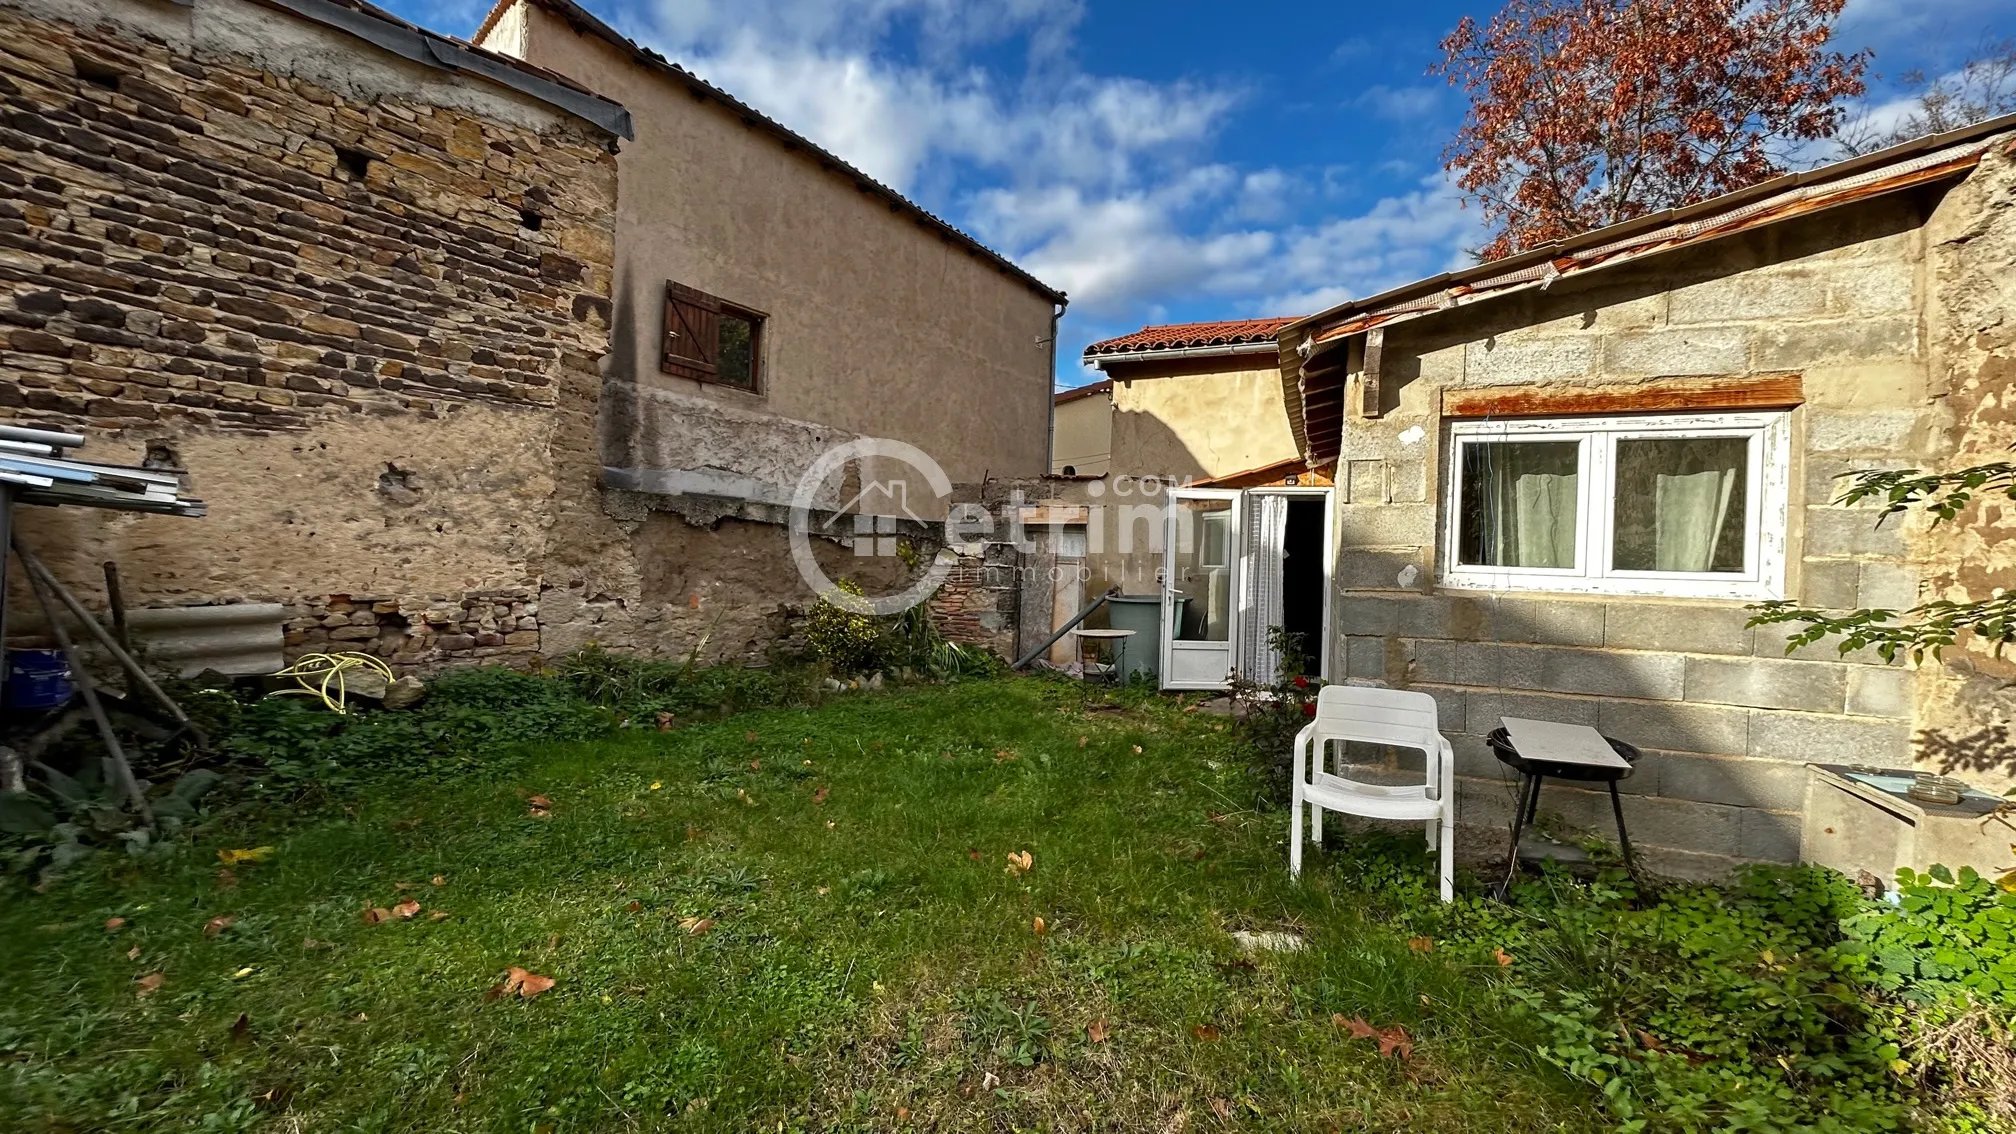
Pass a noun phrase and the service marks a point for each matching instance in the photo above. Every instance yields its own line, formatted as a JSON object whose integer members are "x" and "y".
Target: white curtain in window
{"x": 1689, "y": 512}
{"x": 1542, "y": 515}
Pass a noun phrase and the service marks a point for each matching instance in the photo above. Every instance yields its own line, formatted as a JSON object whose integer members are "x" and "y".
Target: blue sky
{"x": 1162, "y": 161}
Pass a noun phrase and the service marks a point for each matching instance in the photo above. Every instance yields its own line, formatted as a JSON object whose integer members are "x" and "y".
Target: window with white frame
{"x": 1692, "y": 506}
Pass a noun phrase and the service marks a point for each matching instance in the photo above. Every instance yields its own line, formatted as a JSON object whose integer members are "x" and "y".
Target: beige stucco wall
{"x": 877, "y": 326}
{"x": 1851, "y": 300}
{"x": 1082, "y": 435}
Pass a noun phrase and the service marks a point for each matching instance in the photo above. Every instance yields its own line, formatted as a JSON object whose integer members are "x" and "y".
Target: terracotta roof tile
{"x": 1182, "y": 336}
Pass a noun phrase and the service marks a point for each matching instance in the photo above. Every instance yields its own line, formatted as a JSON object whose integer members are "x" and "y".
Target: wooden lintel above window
{"x": 1655, "y": 395}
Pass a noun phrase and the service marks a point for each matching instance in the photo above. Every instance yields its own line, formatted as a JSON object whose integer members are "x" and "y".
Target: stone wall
{"x": 343, "y": 290}
{"x": 1727, "y": 719}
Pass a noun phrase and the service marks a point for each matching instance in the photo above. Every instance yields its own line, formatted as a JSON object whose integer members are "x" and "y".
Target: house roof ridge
{"x": 584, "y": 20}
{"x": 1185, "y": 336}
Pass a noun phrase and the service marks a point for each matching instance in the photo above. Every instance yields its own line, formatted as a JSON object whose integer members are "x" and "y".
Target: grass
{"x": 872, "y": 963}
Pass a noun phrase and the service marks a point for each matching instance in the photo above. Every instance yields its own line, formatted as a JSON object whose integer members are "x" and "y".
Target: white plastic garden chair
{"x": 1397, "y": 717}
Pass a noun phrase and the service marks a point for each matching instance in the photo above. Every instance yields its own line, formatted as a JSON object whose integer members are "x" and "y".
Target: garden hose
{"x": 318, "y": 672}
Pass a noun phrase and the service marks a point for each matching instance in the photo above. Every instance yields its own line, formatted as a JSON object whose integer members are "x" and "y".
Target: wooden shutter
{"x": 692, "y": 333}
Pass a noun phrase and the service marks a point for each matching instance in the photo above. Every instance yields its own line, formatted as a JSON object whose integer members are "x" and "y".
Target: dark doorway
{"x": 1302, "y": 580}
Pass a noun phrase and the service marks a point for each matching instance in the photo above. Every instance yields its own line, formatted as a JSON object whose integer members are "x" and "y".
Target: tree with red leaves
{"x": 1584, "y": 113}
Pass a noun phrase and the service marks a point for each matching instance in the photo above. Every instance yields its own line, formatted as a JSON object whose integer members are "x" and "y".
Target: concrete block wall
{"x": 1726, "y": 717}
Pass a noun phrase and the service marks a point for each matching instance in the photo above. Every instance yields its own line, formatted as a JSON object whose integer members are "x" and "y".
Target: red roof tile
{"x": 1181, "y": 336}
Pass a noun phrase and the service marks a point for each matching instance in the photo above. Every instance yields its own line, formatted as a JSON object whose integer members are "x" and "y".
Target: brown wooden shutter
{"x": 692, "y": 333}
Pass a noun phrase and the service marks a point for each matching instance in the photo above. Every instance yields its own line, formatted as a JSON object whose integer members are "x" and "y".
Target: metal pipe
{"x": 36, "y": 571}
{"x": 1065, "y": 629}
{"x": 40, "y": 436}
{"x": 89, "y": 691}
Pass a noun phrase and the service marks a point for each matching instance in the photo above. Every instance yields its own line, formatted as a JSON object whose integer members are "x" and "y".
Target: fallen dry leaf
{"x": 1137, "y": 750}
{"x": 1039, "y": 926}
{"x": 406, "y": 909}
{"x": 634, "y": 906}
{"x": 1206, "y": 1032}
{"x": 749, "y": 738}
{"x": 1095, "y": 1032}
{"x": 664, "y": 722}
{"x": 696, "y": 926}
{"x": 218, "y": 924}
{"x": 376, "y": 914}
{"x": 226, "y": 880}
{"x": 1499, "y": 955}
{"x": 974, "y": 854}
{"x": 1394, "y": 1040}
{"x": 149, "y": 983}
{"x": 439, "y": 915}
{"x": 1020, "y": 862}
{"x": 1421, "y": 944}
{"x": 755, "y": 765}
{"x": 656, "y": 784}
{"x": 1081, "y": 742}
{"x": 820, "y": 795}
{"x": 114, "y": 924}
{"x": 1222, "y": 1108}
{"x": 526, "y": 984}
{"x": 1356, "y": 1024}
{"x": 133, "y": 954}
{"x": 234, "y": 857}
{"x": 438, "y": 880}
{"x": 1002, "y": 756}
{"x": 534, "y": 984}
{"x": 541, "y": 807}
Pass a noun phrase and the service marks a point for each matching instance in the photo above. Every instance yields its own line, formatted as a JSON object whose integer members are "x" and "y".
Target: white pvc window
{"x": 1692, "y": 506}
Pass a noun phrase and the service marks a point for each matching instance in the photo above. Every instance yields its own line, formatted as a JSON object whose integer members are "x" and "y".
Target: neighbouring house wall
{"x": 877, "y": 325}
{"x": 1177, "y": 421}
{"x": 367, "y": 380}
{"x": 1082, "y": 435}
{"x": 1727, "y": 720}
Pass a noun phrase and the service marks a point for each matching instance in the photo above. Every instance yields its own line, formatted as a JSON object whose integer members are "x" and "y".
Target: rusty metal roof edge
{"x": 582, "y": 19}
{"x": 382, "y": 29}
{"x": 1105, "y": 347}
{"x": 1632, "y": 231}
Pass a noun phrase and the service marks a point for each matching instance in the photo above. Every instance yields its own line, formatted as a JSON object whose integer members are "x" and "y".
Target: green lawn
{"x": 872, "y": 963}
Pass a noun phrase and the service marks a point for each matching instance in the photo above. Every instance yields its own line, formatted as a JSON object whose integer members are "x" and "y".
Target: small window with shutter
{"x": 709, "y": 339}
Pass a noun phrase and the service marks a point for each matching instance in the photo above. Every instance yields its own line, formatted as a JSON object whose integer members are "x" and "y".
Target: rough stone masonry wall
{"x": 1725, "y": 717}
{"x": 307, "y": 271}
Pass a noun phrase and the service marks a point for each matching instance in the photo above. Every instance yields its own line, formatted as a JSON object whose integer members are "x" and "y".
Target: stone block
{"x": 1483, "y": 710}
{"x": 1365, "y": 657}
{"x": 1553, "y": 669}
{"x": 1737, "y": 781}
{"x": 1365, "y": 482}
{"x": 1449, "y": 704}
{"x": 1384, "y": 569}
{"x": 1678, "y": 350}
{"x": 1547, "y": 622}
{"x": 1887, "y": 586}
{"x": 1695, "y": 628}
{"x": 1769, "y": 836}
{"x": 1808, "y": 737}
{"x": 1709, "y": 729}
{"x": 1514, "y": 360}
{"x": 1877, "y": 431}
{"x": 1440, "y": 661}
{"x": 1835, "y": 532}
{"x": 1750, "y": 296}
{"x": 1830, "y": 584}
{"x": 1700, "y": 828}
{"x": 1368, "y": 614}
{"x": 1872, "y": 287}
{"x": 1386, "y": 525}
{"x": 1771, "y": 641}
{"x": 1407, "y": 481}
{"x": 1762, "y": 683}
{"x": 1879, "y": 691}
{"x": 1794, "y": 346}
{"x": 1891, "y": 384}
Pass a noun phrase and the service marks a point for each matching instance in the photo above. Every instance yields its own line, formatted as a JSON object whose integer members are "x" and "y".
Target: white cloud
{"x": 1401, "y": 104}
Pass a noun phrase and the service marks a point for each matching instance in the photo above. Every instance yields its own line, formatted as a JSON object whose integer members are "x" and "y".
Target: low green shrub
{"x": 1785, "y": 1000}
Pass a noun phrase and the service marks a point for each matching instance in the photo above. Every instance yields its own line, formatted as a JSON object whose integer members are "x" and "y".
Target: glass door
{"x": 1200, "y": 588}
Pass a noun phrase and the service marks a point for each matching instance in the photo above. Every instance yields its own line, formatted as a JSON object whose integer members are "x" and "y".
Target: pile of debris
{"x": 35, "y": 463}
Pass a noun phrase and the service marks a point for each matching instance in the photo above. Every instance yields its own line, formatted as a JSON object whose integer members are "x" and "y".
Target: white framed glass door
{"x": 1200, "y": 587}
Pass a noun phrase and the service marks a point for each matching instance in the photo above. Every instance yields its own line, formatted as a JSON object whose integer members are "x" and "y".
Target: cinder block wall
{"x": 1726, "y": 718}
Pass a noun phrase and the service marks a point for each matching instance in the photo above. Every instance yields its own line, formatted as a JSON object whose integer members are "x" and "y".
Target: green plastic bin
{"x": 1142, "y": 614}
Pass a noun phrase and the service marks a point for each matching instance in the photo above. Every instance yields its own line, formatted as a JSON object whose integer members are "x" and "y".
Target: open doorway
{"x": 1304, "y": 580}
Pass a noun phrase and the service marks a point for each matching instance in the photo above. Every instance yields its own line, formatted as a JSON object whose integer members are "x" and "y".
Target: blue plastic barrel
{"x": 38, "y": 679}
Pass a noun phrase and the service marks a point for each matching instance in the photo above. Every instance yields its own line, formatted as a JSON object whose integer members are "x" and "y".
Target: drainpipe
{"x": 1050, "y": 435}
